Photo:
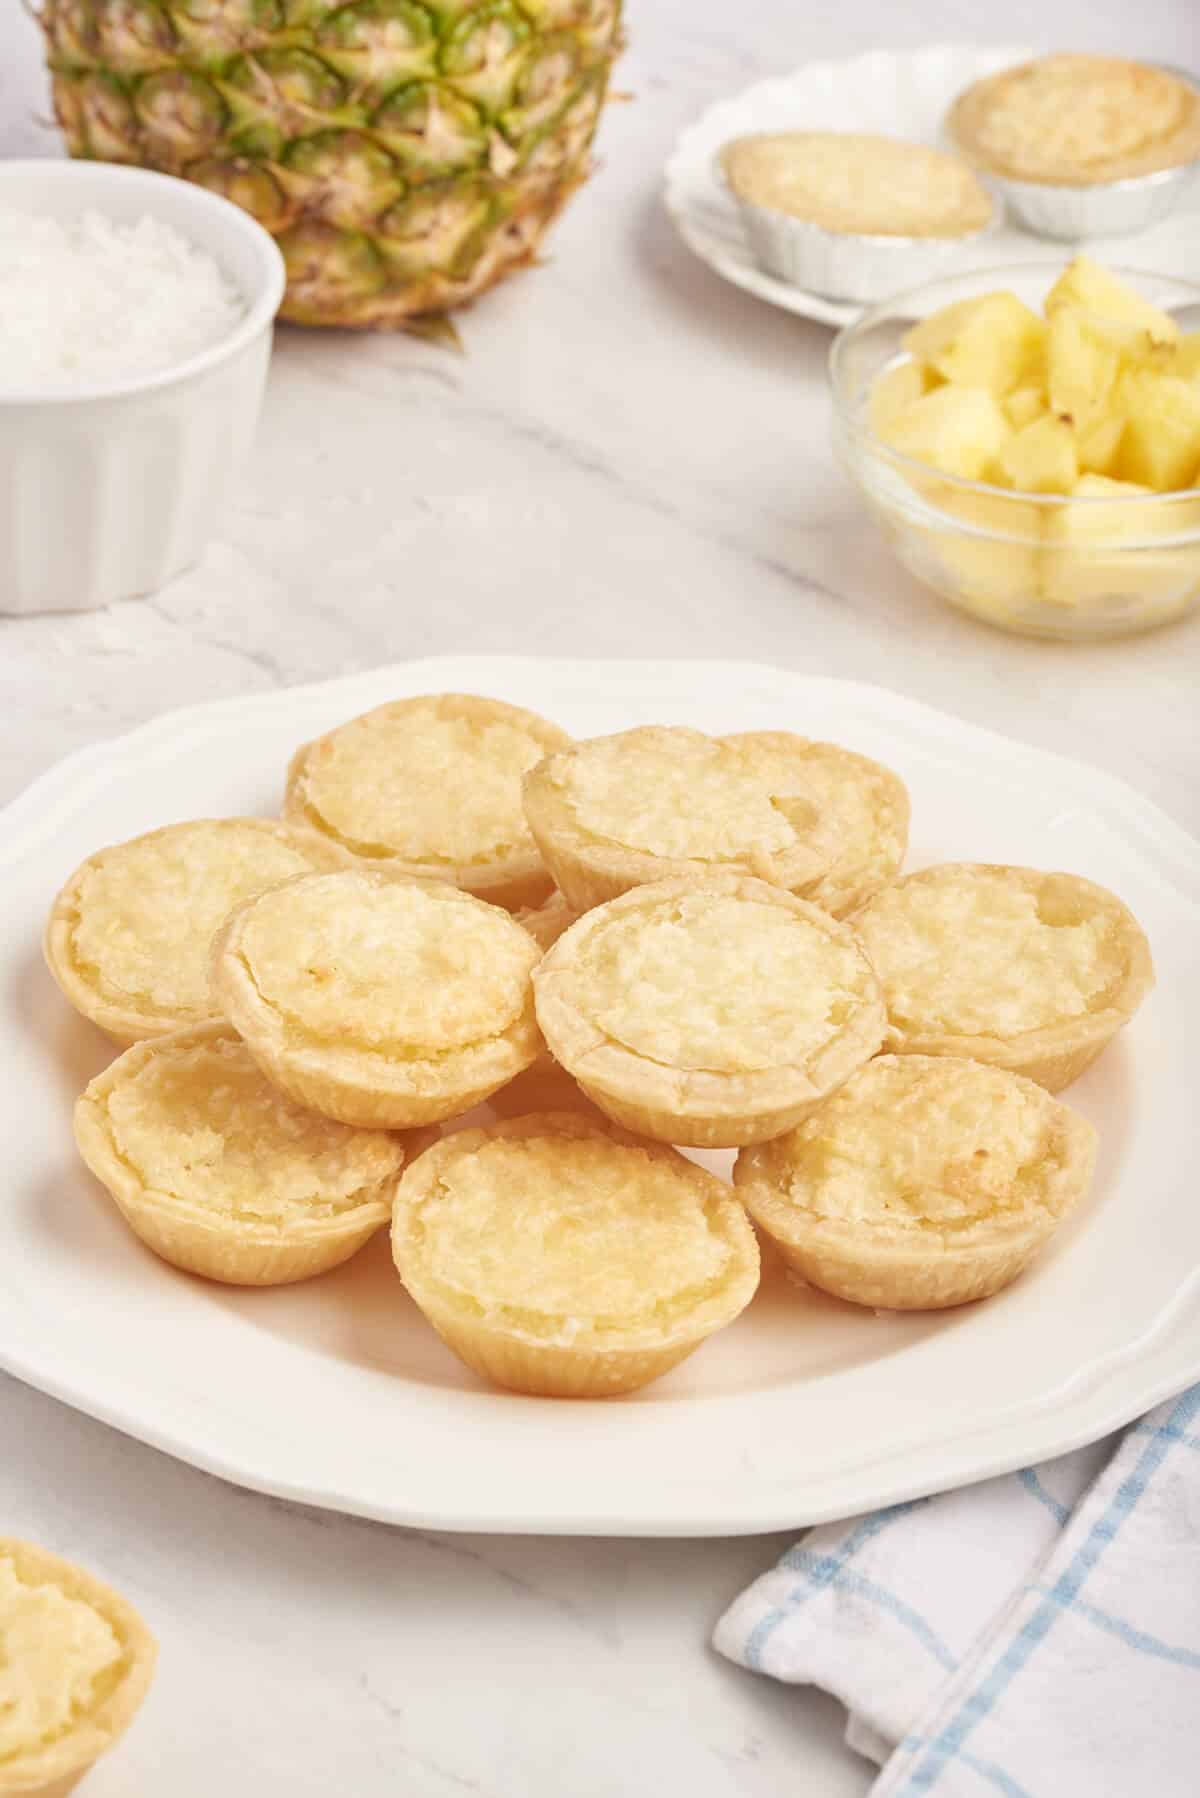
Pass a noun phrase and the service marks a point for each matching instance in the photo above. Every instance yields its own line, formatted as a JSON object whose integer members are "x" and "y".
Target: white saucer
{"x": 902, "y": 93}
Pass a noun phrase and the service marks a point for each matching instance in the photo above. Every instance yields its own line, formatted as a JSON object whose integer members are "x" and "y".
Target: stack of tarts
{"x": 630, "y": 944}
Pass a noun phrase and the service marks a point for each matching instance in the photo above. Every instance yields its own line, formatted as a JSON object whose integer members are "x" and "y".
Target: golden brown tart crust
{"x": 431, "y": 787}
{"x": 866, "y": 807}
{"x": 712, "y": 1013}
{"x": 222, "y": 1174}
{"x": 1031, "y": 971}
{"x": 557, "y": 1254}
{"x": 378, "y": 1000}
{"x": 663, "y": 801}
{"x": 87, "y": 1660}
{"x": 128, "y": 936}
{"x": 925, "y": 1181}
{"x": 547, "y": 921}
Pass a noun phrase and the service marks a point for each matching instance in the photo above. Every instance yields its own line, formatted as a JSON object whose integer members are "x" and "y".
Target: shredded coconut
{"x": 89, "y": 299}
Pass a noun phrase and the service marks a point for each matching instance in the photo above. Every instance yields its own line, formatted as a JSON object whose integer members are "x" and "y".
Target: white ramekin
{"x": 110, "y": 489}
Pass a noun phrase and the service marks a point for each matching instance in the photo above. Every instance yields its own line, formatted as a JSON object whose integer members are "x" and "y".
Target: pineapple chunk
{"x": 1186, "y": 361}
{"x": 1103, "y": 524}
{"x": 993, "y": 342}
{"x": 1087, "y": 360}
{"x": 994, "y": 561}
{"x": 1099, "y": 443}
{"x": 1023, "y": 405}
{"x": 1099, "y": 402}
{"x": 1161, "y": 444}
{"x": 1041, "y": 457}
{"x": 1090, "y": 288}
{"x": 892, "y": 391}
{"x": 1082, "y": 366}
{"x": 959, "y": 430}
{"x": 1098, "y": 553}
{"x": 1134, "y": 344}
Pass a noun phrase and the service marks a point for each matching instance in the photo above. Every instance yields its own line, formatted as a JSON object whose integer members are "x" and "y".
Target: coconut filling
{"x": 423, "y": 788}
{"x": 203, "y": 1129}
{"x": 59, "y": 1660}
{"x": 711, "y": 982}
{"x": 689, "y": 798}
{"x": 395, "y": 973}
{"x": 852, "y": 183}
{"x": 568, "y": 1240}
{"x": 907, "y": 1154}
{"x": 143, "y": 916}
{"x": 983, "y": 955}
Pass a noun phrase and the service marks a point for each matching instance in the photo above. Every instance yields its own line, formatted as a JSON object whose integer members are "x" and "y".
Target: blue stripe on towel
{"x": 1035, "y": 1489}
{"x": 865, "y": 1532}
{"x": 996, "y": 1776}
{"x": 948, "y": 1744}
{"x": 1187, "y": 1437}
{"x": 823, "y": 1571}
{"x": 1133, "y": 1637}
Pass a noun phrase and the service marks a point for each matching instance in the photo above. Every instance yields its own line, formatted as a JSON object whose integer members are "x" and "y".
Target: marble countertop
{"x": 629, "y": 459}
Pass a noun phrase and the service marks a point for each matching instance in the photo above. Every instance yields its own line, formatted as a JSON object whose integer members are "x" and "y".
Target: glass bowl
{"x": 1037, "y": 564}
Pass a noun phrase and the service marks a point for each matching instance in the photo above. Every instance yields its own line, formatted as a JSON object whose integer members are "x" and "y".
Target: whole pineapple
{"x": 406, "y": 153}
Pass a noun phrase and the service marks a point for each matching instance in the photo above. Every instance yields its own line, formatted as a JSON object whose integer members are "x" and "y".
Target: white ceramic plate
{"x": 337, "y": 1393}
{"x": 902, "y": 93}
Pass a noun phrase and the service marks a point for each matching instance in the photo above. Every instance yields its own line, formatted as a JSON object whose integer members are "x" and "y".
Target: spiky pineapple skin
{"x": 406, "y": 154}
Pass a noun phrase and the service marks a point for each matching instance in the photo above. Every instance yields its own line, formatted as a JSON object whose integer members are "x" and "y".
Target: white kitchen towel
{"x": 1036, "y": 1636}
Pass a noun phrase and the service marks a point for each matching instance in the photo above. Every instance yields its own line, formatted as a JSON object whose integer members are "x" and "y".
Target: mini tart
{"x": 431, "y": 787}
{"x": 222, "y": 1174}
{"x": 649, "y": 804}
{"x": 866, "y": 807}
{"x": 560, "y": 1256}
{"x": 711, "y": 1013}
{"x": 1077, "y": 120}
{"x": 1027, "y": 971}
{"x": 853, "y": 183}
{"x": 378, "y": 1000}
{"x": 128, "y": 936}
{"x": 75, "y": 1664}
{"x": 926, "y": 1181}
